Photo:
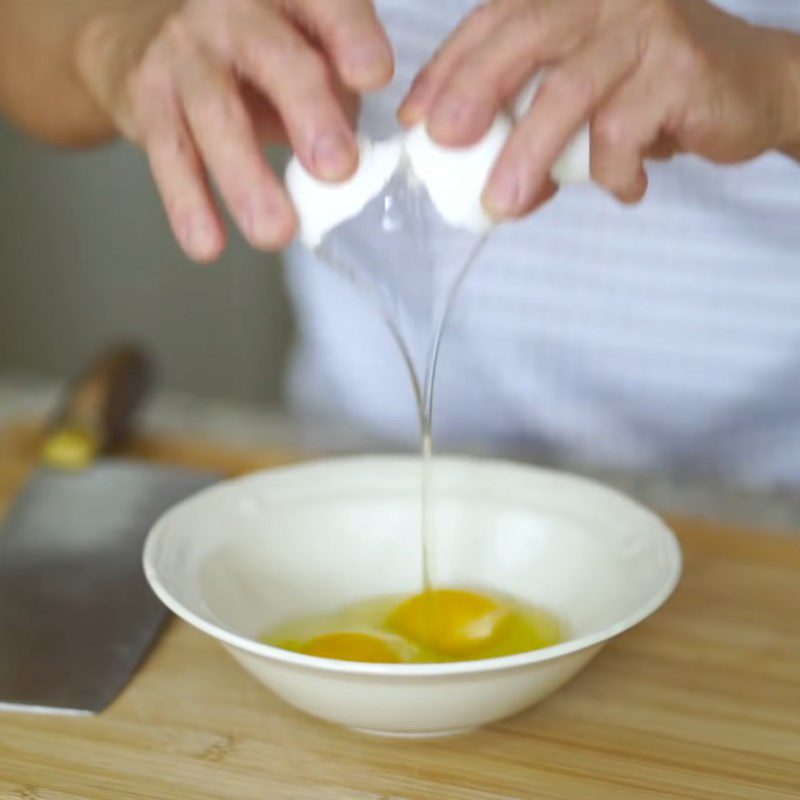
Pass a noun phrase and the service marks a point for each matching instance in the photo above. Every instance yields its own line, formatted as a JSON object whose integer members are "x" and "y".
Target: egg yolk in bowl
{"x": 438, "y": 625}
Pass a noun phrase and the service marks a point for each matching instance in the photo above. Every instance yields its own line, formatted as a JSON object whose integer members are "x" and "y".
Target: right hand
{"x": 652, "y": 78}
{"x": 201, "y": 84}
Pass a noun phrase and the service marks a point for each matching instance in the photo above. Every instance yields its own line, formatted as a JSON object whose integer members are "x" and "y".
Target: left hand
{"x": 202, "y": 85}
{"x": 654, "y": 77}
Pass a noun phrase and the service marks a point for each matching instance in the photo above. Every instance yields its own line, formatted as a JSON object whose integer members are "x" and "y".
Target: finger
{"x": 469, "y": 34}
{"x": 179, "y": 176}
{"x": 268, "y": 124}
{"x": 547, "y": 193}
{"x": 354, "y": 39}
{"x": 279, "y": 61}
{"x": 469, "y": 99}
{"x": 224, "y": 134}
{"x": 266, "y": 121}
{"x": 663, "y": 149}
{"x": 566, "y": 99}
{"x": 623, "y": 130}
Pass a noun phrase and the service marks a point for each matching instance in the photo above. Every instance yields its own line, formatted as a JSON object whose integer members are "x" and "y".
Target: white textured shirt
{"x": 665, "y": 336}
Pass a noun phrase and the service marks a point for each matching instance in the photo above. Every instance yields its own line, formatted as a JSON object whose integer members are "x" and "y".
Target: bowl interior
{"x": 302, "y": 540}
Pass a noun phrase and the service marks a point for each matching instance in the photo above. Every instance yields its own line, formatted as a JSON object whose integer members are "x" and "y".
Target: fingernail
{"x": 264, "y": 225}
{"x": 450, "y": 117}
{"x": 367, "y": 60}
{"x": 412, "y": 107}
{"x": 408, "y": 112}
{"x": 200, "y": 239}
{"x": 503, "y": 195}
{"x": 333, "y": 156}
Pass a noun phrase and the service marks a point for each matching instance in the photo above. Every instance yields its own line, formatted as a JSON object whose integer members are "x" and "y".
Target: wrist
{"x": 91, "y": 47}
{"x": 107, "y": 47}
{"x": 788, "y": 108}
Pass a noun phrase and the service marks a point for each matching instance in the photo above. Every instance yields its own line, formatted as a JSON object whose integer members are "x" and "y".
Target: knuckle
{"x": 139, "y": 86}
{"x": 309, "y": 76}
{"x": 287, "y": 55}
{"x": 340, "y": 30}
{"x": 658, "y": 14}
{"x": 687, "y": 57}
{"x": 215, "y": 23}
{"x": 485, "y": 15}
{"x": 177, "y": 32}
{"x": 148, "y": 78}
{"x": 570, "y": 86}
{"x": 206, "y": 104}
{"x": 166, "y": 147}
{"x": 697, "y": 124}
{"x": 219, "y": 108}
{"x": 215, "y": 9}
{"x": 689, "y": 61}
{"x": 232, "y": 6}
{"x": 657, "y": 8}
{"x": 534, "y": 20}
{"x": 312, "y": 68}
{"x": 610, "y": 131}
{"x": 148, "y": 88}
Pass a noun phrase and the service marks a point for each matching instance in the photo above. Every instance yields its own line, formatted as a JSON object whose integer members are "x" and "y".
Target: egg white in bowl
{"x": 250, "y": 553}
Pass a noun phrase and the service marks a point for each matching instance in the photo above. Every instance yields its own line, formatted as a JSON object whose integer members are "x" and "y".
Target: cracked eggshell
{"x": 455, "y": 177}
{"x": 321, "y": 205}
{"x": 574, "y": 164}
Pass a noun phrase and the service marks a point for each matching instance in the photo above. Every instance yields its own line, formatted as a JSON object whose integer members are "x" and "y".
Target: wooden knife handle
{"x": 98, "y": 410}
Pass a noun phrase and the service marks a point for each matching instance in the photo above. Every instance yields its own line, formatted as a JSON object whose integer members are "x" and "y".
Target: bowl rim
{"x": 411, "y": 671}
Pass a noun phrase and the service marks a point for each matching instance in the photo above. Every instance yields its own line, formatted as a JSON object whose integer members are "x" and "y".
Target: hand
{"x": 654, "y": 77}
{"x": 201, "y": 84}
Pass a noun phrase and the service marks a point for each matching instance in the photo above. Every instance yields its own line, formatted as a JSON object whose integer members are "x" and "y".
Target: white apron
{"x": 662, "y": 336}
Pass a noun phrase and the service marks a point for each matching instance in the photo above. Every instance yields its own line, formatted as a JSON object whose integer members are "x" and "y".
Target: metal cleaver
{"x": 76, "y": 615}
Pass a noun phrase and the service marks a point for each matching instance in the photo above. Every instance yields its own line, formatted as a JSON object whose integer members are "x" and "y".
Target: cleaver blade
{"x": 76, "y": 614}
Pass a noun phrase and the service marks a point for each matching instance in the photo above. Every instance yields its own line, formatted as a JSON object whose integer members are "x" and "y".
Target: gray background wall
{"x": 86, "y": 256}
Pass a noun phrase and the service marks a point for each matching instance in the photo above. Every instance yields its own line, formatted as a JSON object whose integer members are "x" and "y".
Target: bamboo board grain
{"x": 701, "y": 701}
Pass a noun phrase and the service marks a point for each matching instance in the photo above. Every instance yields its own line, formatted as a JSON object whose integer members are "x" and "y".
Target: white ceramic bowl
{"x": 242, "y": 556}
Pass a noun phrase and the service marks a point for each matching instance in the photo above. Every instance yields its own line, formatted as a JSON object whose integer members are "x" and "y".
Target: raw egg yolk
{"x": 352, "y": 646}
{"x": 451, "y": 621}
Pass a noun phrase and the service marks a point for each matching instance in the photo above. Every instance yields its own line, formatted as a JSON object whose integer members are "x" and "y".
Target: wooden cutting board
{"x": 701, "y": 701}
